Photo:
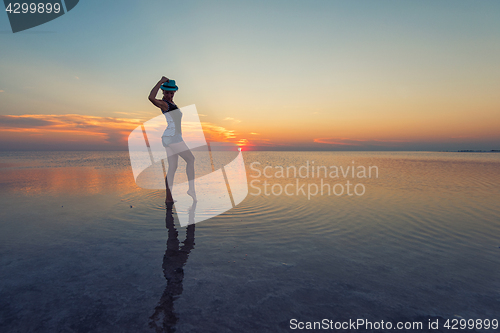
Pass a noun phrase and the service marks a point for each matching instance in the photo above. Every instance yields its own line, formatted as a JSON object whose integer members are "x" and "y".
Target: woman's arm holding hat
{"x": 152, "y": 95}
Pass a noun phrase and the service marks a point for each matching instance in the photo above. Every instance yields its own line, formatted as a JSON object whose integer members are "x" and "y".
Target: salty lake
{"x": 83, "y": 249}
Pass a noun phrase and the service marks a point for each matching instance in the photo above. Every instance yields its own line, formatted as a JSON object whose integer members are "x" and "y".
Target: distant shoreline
{"x": 471, "y": 151}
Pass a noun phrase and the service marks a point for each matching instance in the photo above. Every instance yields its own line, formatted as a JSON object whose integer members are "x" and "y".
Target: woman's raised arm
{"x": 152, "y": 95}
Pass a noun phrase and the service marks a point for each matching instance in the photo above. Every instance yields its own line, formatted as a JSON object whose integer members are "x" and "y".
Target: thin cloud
{"x": 253, "y": 133}
{"x": 75, "y": 130}
{"x": 109, "y": 129}
{"x": 217, "y": 133}
{"x": 222, "y": 134}
{"x": 254, "y": 142}
{"x": 243, "y": 142}
{"x": 233, "y": 119}
{"x": 1, "y": 91}
{"x": 9, "y": 122}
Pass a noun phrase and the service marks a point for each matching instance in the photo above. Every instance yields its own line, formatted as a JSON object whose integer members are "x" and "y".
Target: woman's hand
{"x": 152, "y": 95}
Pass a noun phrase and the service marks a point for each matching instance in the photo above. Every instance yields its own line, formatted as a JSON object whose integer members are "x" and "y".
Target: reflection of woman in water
{"x": 172, "y": 137}
{"x": 164, "y": 318}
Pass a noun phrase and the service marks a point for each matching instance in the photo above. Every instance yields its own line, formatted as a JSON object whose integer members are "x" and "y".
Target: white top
{"x": 170, "y": 130}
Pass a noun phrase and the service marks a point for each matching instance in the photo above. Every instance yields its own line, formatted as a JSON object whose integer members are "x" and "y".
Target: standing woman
{"x": 172, "y": 137}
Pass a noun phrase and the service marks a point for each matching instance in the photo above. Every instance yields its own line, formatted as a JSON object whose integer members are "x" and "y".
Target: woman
{"x": 172, "y": 137}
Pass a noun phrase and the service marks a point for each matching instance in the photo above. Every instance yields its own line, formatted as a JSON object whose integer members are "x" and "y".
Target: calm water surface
{"x": 83, "y": 249}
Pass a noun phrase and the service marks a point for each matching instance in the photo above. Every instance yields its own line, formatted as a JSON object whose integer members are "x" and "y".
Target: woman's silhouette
{"x": 172, "y": 137}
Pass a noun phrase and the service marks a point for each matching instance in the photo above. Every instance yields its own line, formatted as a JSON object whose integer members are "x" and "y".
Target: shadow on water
{"x": 164, "y": 318}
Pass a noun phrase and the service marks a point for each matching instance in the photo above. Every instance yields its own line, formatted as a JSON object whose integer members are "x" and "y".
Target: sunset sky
{"x": 274, "y": 75}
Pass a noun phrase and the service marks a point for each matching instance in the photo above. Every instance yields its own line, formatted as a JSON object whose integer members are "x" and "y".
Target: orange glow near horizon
{"x": 55, "y": 131}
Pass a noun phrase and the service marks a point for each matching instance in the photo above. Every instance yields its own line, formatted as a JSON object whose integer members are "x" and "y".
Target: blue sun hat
{"x": 169, "y": 86}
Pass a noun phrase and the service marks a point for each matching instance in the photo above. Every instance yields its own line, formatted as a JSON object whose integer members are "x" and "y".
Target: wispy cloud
{"x": 1, "y": 91}
{"x": 218, "y": 133}
{"x": 222, "y": 134}
{"x": 16, "y": 123}
{"x": 257, "y": 142}
{"x": 73, "y": 130}
{"x": 110, "y": 130}
{"x": 243, "y": 142}
{"x": 234, "y": 120}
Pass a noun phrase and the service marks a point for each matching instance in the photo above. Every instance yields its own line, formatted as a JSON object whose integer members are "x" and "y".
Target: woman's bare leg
{"x": 188, "y": 156}
{"x": 173, "y": 161}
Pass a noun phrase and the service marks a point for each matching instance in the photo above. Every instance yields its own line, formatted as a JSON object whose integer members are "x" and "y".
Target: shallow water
{"x": 83, "y": 249}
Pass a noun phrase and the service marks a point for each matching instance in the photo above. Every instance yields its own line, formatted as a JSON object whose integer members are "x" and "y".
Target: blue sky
{"x": 354, "y": 70}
